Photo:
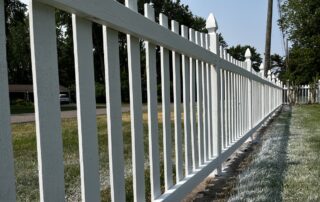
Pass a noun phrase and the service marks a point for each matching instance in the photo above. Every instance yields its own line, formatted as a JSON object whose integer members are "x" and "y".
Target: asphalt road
{"x": 29, "y": 117}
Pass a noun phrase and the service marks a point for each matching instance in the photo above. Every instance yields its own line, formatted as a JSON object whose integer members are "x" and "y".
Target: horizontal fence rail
{"x": 218, "y": 102}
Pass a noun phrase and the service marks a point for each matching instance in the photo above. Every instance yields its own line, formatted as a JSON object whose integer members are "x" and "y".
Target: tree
{"x": 18, "y": 43}
{"x": 238, "y": 53}
{"x": 300, "y": 20}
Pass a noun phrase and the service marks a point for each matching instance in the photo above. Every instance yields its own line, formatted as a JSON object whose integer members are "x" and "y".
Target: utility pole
{"x": 267, "y": 61}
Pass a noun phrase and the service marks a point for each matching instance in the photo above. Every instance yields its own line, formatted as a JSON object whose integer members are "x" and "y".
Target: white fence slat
{"x": 154, "y": 157}
{"x": 177, "y": 106}
{"x": 86, "y": 109}
{"x": 223, "y": 123}
{"x": 186, "y": 106}
{"x": 209, "y": 93}
{"x": 204, "y": 102}
{"x": 114, "y": 114}
{"x": 194, "y": 136}
{"x": 199, "y": 103}
{"x": 165, "y": 88}
{"x": 47, "y": 108}
{"x": 136, "y": 117}
{"x": 229, "y": 108}
{"x": 7, "y": 179}
{"x": 133, "y": 44}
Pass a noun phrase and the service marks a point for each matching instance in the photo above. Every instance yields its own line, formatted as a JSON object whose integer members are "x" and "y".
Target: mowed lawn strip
{"x": 287, "y": 165}
{"x": 302, "y": 179}
{"x": 24, "y": 143}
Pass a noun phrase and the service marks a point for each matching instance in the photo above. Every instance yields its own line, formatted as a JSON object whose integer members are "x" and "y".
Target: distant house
{"x": 25, "y": 91}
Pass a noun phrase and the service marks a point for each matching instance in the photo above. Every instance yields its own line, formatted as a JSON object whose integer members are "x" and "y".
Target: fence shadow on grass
{"x": 256, "y": 172}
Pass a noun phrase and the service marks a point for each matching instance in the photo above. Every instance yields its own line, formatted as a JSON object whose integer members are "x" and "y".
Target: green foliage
{"x": 18, "y": 48}
{"x": 238, "y": 53}
{"x": 300, "y": 20}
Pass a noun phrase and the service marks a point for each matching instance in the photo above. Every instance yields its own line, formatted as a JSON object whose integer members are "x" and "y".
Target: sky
{"x": 241, "y": 22}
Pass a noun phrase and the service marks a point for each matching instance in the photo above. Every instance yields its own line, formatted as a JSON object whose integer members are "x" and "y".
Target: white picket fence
{"x": 223, "y": 101}
{"x": 302, "y": 94}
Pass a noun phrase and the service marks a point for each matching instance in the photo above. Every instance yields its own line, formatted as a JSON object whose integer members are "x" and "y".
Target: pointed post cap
{"x": 211, "y": 23}
{"x": 248, "y": 53}
{"x": 261, "y": 66}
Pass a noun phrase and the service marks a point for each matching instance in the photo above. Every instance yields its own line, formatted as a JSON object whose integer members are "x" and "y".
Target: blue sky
{"x": 241, "y": 22}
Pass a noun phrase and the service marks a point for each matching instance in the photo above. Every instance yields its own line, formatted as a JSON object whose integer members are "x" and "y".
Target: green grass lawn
{"x": 287, "y": 166}
{"x": 302, "y": 179}
{"x": 24, "y": 143}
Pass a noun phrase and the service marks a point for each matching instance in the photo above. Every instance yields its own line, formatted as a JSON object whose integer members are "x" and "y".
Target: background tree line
{"x": 18, "y": 46}
{"x": 301, "y": 23}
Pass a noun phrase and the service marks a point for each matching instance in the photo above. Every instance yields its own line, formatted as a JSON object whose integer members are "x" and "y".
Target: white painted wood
{"x": 199, "y": 103}
{"x": 86, "y": 109}
{"x": 223, "y": 110}
{"x": 154, "y": 156}
{"x": 165, "y": 89}
{"x": 136, "y": 117}
{"x": 193, "y": 120}
{"x": 133, "y": 23}
{"x": 212, "y": 27}
{"x": 249, "y": 68}
{"x": 133, "y": 45}
{"x": 229, "y": 108}
{"x": 181, "y": 189}
{"x": 47, "y": 108}
{"x": 7, "y": 179}
{"x": 176, "y": 65}
{"x": 114, "y": 114}
{"x": 186, "y": 107}
{"x": 205, "y": 104}
{"x": 209, "y": 114}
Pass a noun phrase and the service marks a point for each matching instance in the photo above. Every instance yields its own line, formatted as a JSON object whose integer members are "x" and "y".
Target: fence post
{"x": 7, "y": 179}
{"x": 212, "y": 27}
{"x": 249, "y": 68}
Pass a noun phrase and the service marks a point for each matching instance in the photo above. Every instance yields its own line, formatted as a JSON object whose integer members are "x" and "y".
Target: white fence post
{"x": 249, "y": 68}
{"x": 7, "y": 179}
{"x": 136, "y": 111}
{"x": 212, "y": 27}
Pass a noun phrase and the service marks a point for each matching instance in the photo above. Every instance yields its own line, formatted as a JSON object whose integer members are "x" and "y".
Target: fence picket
{"x": 154, "y": 157}
{"x": 165, "y": 88}
{"x": 186, "y": 106}
{"x": 176, "y": 65}
{"x": 133, "y": 44}
{"x": 204, "y": 103}
{"x": 199, "y": 103}
{"x": 114, "y": 115}
{"x": 86, "y": 109}
{"x": 7, "y": 178}
{"x": 47, "y": 109}
{"x": 194, "y": 136}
